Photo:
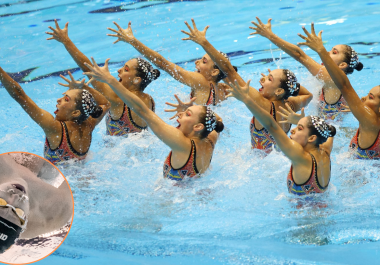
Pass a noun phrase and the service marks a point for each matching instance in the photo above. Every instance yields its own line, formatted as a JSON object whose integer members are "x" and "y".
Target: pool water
{"x": 239, "y": 212}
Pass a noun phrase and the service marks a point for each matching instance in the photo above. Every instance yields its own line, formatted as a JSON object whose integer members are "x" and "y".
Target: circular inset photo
{"x": 36, "y": 208}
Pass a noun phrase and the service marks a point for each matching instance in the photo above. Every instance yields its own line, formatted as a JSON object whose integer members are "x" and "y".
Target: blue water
{"x": 240, "y": 211}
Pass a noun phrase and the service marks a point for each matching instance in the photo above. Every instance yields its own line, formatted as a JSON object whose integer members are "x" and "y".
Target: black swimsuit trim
{"x": 378, "y": 135}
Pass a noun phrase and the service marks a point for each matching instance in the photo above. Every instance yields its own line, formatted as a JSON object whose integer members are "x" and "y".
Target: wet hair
{"x": 87, "y": 106}
{"x": 208, "y": 119}
{"x": 146, "y": 72}
{"x": 222, "y": 75}
{"x": 320, "y": 128}
{"x": 351, "y": 58}
{"x": 289, "y": 84}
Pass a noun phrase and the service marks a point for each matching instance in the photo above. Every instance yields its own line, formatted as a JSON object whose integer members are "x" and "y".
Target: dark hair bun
{"x": 332, "y": 130}
{"x": 359, "y": 66}
{"x": 235, "y": 68}
{"x": 97, "y": 112}
{"x": 219, "y": 126}
{"x": 156, "y": 74}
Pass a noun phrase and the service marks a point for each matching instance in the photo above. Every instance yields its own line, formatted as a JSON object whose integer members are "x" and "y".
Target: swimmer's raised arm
{"x": 43, "y": 118}
{"x": 365, "y": 115}
{"x": 294, "y": 51}
{"x": 174, "y": 138}
{"x": 222, "y": 62}
{"x": 290, "y": 148}
{"x": 191, "y": 79}
{"x": 61, "y": 35}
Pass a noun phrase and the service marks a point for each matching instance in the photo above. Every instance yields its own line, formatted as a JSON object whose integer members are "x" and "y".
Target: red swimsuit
{"x": 311, "y": 186}
{"x": 189, "y": 169}
{"x": 125, "y": 125}
{"x": 64, "y": 151}
{"x": 372, "y": 152}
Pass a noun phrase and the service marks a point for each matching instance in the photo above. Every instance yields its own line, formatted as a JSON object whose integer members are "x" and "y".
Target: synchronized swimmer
{"x": 274, "y": 106}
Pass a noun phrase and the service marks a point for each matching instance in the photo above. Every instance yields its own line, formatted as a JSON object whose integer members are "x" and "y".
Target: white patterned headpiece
{"x": 321, "y": 126}
{"x": 210, "y": 119}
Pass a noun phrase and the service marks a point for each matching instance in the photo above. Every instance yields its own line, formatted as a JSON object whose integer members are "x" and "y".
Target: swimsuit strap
{"x": 273, "y": 111}
{"x": 194, "y": 153}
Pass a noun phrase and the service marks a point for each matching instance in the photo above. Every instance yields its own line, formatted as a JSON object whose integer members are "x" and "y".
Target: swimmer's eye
{"x": 204, "y": 61}
{"x": 66, "y": 99}
{"x": 126, "y": 68}
{"x": 188, "y": 114}
{"x": 370, "y": 96}
{"x": 335, "y": 51}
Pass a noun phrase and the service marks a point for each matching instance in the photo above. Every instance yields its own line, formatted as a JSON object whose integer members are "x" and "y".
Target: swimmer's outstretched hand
{"x": 59, "y": 34}
{"x": 195, "y": 35}
{"x": 72, "y": 84}
{"x": 125, "y": 35}
{"x": 312, "y": 40}
{"x": 240, "y": 93}
{"x": 180, "y": 107}
{"x": 97, "y": 73}
{"x": 262, "y": 29}
{"x": 289, "y": 115}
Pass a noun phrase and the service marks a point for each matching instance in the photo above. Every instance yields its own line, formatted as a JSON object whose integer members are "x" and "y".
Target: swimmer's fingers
{"x": 90, "y": 81}
{"x": 254, "y": 23}
{"x": 186, "y": 33}
{"x": 284, "y": 112}
{"x": 289, "y": 108}
{"x": 177, "y": 98}
{"x": 306, "y": 32}
{"x": 263, "y": 74}
{"x": 320, "y": 34}
{"x": 116, "y": 41}
{"x": 303, "y": 112}
{"x": 56, "y": 24}
{"x": 91, "y": 67}
{"x": 50, "y": 33}
{"x": 194, "y": 26}
{"x": 65, "y": 85}
{"x": 94, "y": 63}
{"x": 312, "y": 28}
{"x": 67, "y": 26}
{"x": 113, "y": 35}
{"x": 53, "y": 29}
{"x": 171, "y": 104}
{"x": 302, "y": 36}
{"x": 269, "y": 70}
{"x": 258, "y": 19}
{"x": 71, "y": 76}
{"x": 205, "y": 29}
{"x": 52, "y": 38}
{"x": 117, "y": 25}
{"x": 114, "y": 30}
{"x": 269, "y": 23}
{"x": 169, "y": 110}
{"x": 188, "y": 26}
{"x": 64, "y": 78}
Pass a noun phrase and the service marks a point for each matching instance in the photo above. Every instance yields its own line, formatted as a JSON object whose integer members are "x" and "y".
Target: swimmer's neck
{"x": 134, "y": 89}
{"x": 311, "y": 148}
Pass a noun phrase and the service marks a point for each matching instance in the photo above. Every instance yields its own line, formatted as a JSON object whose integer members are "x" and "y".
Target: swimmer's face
{"x": 127, "y": 73}
{"x": 205, "y": 66}
{"x": 300, "y": 133}
{"x": 337, "y": 53}
{"x": 271, "y": 83}
{"x": 66, "y": 105}
{"x": 15, "y": 193}
{"x": 372, "y": 100}
{"x": 189, "y": 118}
